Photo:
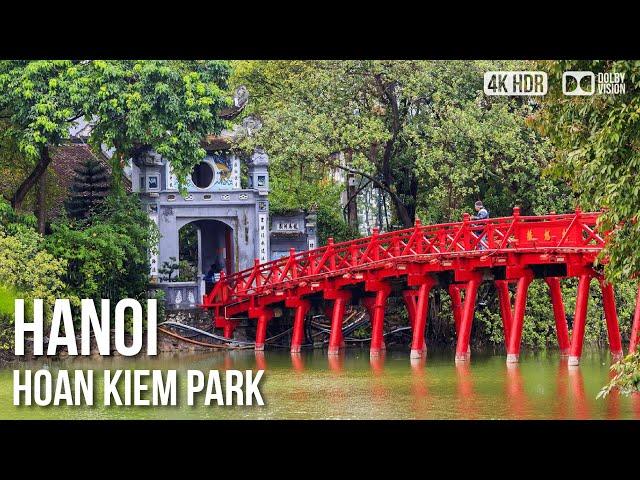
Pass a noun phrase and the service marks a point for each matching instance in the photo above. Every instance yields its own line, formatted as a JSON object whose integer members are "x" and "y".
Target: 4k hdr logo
{"x": 535, "y": 83}
{"x": 517, "y": 83}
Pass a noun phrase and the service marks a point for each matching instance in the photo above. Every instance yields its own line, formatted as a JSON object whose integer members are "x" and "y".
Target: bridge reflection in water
{"x": 359, "y": 386}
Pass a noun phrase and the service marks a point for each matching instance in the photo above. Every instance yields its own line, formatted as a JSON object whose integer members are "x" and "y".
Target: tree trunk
{"x": 403, "y": 212}
{"x": 28, "y": 183}
{"x": 41, "y": 207}
{"x": 352, "y": 196}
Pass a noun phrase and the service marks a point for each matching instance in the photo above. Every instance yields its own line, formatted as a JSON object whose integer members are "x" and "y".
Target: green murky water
{"x": 351, "y": 386}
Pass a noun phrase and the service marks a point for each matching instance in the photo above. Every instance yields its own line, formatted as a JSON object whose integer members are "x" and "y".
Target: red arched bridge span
{"x": 409, "y": 263}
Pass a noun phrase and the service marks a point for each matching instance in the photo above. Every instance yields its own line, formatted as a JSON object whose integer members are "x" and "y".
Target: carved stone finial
{"x": 259, "y": 157}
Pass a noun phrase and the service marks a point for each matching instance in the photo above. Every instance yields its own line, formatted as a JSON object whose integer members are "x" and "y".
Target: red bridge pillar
{"x": 302, "y": 307}
{"x": 505, "y": 308}
{"x": 611, "y": 317}
{"x": 456, "y": 304}
{"x": 369, "y": 305}
{"x": 340, "y": 299}
{"x": 263, "y": 315}
{"x": 562, "y": 332}
{"x": 635, "y": 328}
{"x": 463, "y": 353}
{"x": 411, "y": 300}
{"x": 577, "y": 335}
{"x": 382, "y": 289}
{"x": 228, "y": 329}
{"x": 422, "y": 308}
{"x": 515, "y": 336}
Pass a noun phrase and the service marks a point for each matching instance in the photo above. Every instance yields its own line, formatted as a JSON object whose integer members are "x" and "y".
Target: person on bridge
{"x": 211, "y": 277}
{"x": 482, "y": 214}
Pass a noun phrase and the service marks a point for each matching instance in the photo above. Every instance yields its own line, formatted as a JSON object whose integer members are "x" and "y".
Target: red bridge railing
{"x": 470, "y": 237}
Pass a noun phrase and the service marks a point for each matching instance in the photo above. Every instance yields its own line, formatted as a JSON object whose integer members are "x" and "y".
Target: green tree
{"x": 135, "y": 106}
{"x": 109, "y": 257}
{"x": 89, "y": 188}
{"x": 420, "y": 131}
{"x": 27, "y": 270}
{"x": 164, "y": 106}
{"x": 38, "y": 104}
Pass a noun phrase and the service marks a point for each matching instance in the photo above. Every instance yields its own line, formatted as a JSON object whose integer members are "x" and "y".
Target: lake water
{"x": 351, "y": 386}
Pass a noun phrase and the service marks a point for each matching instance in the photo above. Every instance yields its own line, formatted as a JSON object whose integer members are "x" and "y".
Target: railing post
{"x": 353, "y": 251}
{"x": 466, "y": 232}
{"x": 578, "y": 223}
{"x": 224, "y": 289}
{"x": 374, "y": 242}
{"x": 293, "y": 263}
{"x": 274, "y": 274}
{"x": 516, "y": 221}
{"x": 256, "y": 273}
{"x": 395, "y": 242}
{"x": 418, "y": 236}
{"x": 491, "y": 241}
{"x": 311, "y": 262}
{"x": 332, "y": 257}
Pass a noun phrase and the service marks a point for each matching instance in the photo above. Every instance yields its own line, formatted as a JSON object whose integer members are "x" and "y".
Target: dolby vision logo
{"x": 578, "y": 83}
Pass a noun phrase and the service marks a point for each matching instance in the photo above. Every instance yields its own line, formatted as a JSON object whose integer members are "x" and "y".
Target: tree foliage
{"x": 135, "y": 105}
{"x": 626, "y": 377}
{"x": 164, "y": 106}
{"x": 421, "y": 131}
{"x": 27, "y": 269}
{"x": 109, "y": 257}
{"x": 598, "y": 153}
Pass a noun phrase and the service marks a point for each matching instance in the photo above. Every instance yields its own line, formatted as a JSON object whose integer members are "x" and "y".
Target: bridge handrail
{"x": 500, "y": 233}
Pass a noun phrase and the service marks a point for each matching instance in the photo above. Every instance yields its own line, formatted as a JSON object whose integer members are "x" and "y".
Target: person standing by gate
{"x": 212, "y": 276}
{"x": 482, "y": 214}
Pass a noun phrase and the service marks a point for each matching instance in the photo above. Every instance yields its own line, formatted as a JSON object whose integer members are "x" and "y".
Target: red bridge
{"x": 409, "y": 263}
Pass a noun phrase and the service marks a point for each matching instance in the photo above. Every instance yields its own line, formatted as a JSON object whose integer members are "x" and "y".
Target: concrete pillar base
{"x": 376, "y": 352}
{"x": 465, "y": 357}
{"x": 574, "y": 360}
{"x": 416, "y": 353}
{"x": 513, "y": 358}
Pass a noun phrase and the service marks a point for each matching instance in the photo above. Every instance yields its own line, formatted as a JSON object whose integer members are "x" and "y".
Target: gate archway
{"x": 207, "y": 242}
